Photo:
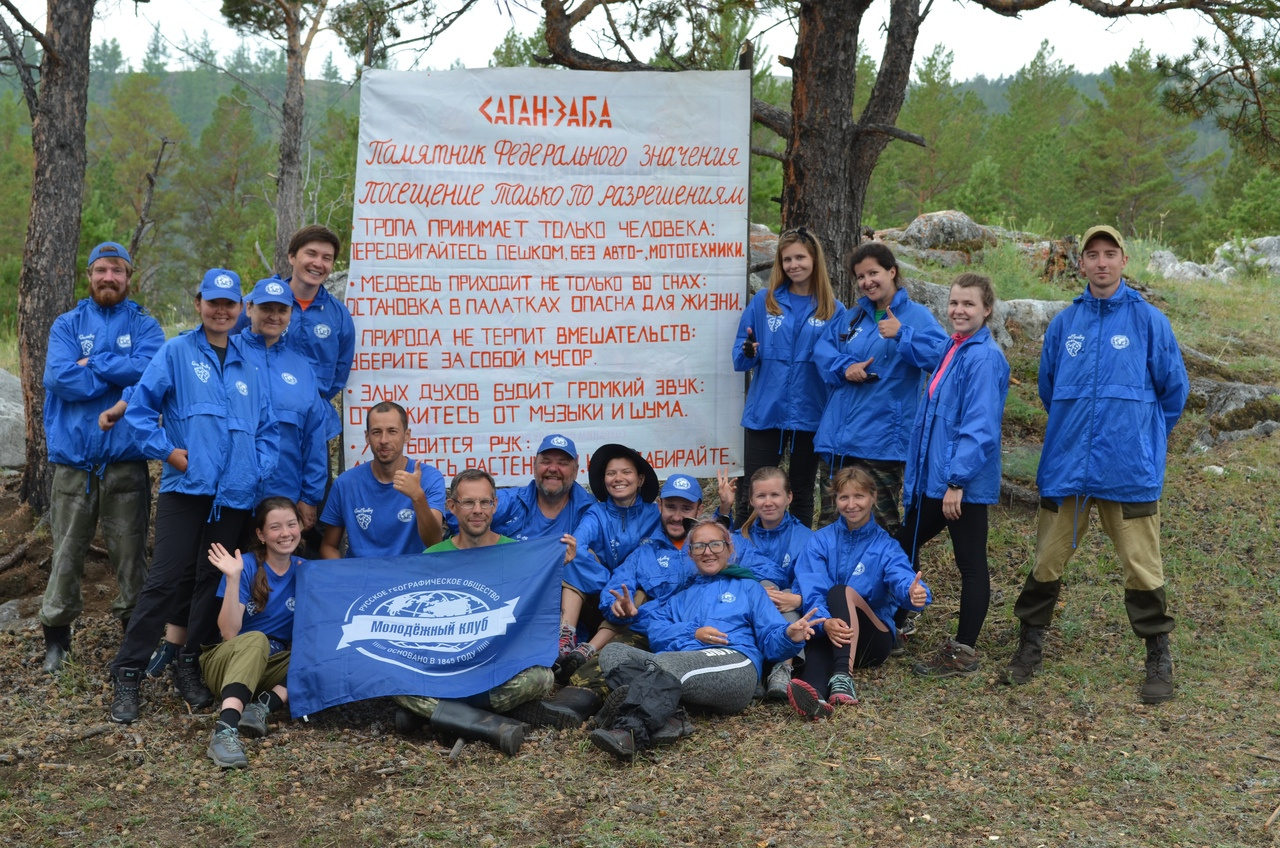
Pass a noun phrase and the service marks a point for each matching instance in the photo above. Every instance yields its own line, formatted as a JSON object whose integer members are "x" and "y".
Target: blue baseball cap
{"x": 220, "y": 284}
{"x": 682, "y": 486}
{"x": 110, "y": 250}
{"x": 558, "y": 442}
{"x": 271, "y": 290}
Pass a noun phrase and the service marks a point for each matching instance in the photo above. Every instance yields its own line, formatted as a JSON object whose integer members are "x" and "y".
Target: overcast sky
{"x": 982, "y": 42}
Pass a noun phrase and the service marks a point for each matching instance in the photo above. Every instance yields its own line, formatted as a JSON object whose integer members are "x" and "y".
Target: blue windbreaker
{"x": 119, "y": 342}
{"x": 786, "y": 392}
{"x": 220, "y": 414}
{"x": 736, "y": 606}
{"x": 1114, "y": 384}
{"x": 867, "y": 560}
{"x": 778, "y": 550}
{"x": 872, "y": 420}
{"x": 302, "y": 470}
{"x": 659, "y": 568}
{"x": 517, "y": 514}
{"x": 606, "y": 536}
{"x": 957, "y": 431}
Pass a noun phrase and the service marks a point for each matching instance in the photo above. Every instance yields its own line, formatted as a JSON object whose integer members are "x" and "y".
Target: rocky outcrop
{"x": 13, "y": 422}
{"x": 1028, "y": 318}
{"x": 1235, "y": 410}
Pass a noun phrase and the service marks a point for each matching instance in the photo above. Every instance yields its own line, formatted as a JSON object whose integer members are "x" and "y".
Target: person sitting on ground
{"x": 627, "y": 486}
{"x": 248, "y": 668}
{"x": 472, "y": 500}
{"x": 856, "y": 576}
{"x": 711, "y": 640}
{"x": 769, "y": 543}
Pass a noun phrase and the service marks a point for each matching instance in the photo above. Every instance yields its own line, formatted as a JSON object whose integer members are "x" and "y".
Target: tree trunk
{"x": 829, "y": 157}
{"x": 46, "y": 285}
{"x": 293, "y": 111}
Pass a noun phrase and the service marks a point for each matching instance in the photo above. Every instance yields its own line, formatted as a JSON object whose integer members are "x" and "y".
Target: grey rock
{"x": 1214, "y": 470}
{"x": 1165, "y": 264}
{"x": 1235, "y": 410}
{"x": 947, "y": 230}
{"x": 13, "y": 422}
{"x": 9, "y": 611}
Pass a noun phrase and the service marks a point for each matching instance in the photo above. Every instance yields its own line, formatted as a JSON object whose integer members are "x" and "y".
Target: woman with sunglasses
{"x": 775, "y": 343}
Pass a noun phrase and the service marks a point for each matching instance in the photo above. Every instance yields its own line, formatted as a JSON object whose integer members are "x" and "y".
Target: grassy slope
{"x": 1070, "y": 759}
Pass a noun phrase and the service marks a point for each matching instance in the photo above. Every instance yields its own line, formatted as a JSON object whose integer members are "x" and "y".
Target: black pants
{"x": 762, "y": 448}
{"x": 180, "y": 572}
{"x": 969, "y": 540}
{"x": 823, "y": 659}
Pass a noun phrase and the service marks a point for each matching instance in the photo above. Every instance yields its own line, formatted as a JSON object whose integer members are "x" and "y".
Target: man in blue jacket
{"x": 95, "y": 351}
{"x": 1114, "y": 384}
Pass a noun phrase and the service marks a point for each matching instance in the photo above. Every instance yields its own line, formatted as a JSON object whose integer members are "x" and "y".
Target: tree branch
{"x": 893, "y": 132}
{"x": 773, "y": 117}
{"x": 272, "y": 111}
{"x": 144, "y": 223}
{"x": 617, "y": 36}
{"x": 29, "y": 93}
{"x": 767, "y": 153}
{"x": 1012, "y": 8}
{"x": 32, "y": 31}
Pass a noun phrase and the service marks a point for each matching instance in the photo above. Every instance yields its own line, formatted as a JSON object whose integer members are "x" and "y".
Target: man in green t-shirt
{"x": 473, "y": 496}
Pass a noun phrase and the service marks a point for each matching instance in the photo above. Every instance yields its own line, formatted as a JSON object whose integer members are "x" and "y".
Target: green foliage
{"x": 331, "y": 179}
{"x": 102, "y": 218}
{"x": 16, "y": 163}
{"x": 517, "y": 51}
{"x": 156, "y": 59}
{"x": 982, "y": 195}
{"x": 107, "y": 58}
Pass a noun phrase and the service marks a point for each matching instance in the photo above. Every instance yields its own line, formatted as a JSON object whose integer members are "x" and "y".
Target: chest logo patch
{"x": 289, "y": 604}
{"x": 728, "y": 598}
{"x": 1075, "y": 344}
{"x": 816, "y": 322}
{"x": 1120, "y": 341}
{"x": 775, "y": 321}
{"x": 405, "y": 515}
{"x": 242, "y": 388}
{"x": 322, "y": 331}
{"x": 202, "y": 370}
{"x": 124, "y": 341}
{"x": 364, "y": 517}
{"x": 86, "y": 344}
{"x": 664, "y": 561}
{"x": 859, "y": 569}
{"x": 289, "y": 378}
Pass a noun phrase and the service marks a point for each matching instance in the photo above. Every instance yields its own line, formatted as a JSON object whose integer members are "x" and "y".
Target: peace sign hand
{"x": 624, "y": 606}
{"x": 801, "y": 629}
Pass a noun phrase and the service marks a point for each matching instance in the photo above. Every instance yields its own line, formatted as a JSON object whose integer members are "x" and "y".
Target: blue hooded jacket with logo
{"x": 957, "y": 431}
{"x": 606, "y": 536}
{"x": 776, "y": 550}
{"x": 302, "y": 470}
{"x": 659, "y": 568}
{"x": 1114, "y": 384}
{"x": 219, "y": 413}
{"x": 867, "y": 560}
{"x": 119, "y": 342}
{"x": 872, "y": 420}
{"x": 736, "y": 606}
{"x": 786, "y": 392}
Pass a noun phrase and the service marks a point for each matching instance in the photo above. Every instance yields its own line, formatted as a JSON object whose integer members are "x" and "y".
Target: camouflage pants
{"x": 888, "y": 477}
{"x": 532, "y": 684}
{"x": 121, "y": 501}
{"x": 591, "y": 676}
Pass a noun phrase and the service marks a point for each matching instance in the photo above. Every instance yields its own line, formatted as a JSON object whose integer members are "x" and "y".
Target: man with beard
{"x": 389, "y": 506}
{"x": 552, "y": 504}
{"x": 95, "y": 351}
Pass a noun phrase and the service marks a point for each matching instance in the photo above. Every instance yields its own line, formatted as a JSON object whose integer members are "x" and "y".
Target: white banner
{"x": 540, "y": 251}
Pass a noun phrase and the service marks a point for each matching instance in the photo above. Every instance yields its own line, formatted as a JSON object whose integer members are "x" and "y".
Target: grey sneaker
{"x": 840, "y": 691}
{"x": 779, "y": 682}
{"x": 253, "y": 721}
{"x": 952, "y": 659}
{"x": 126, "y": 695}
{"x": 225, "y": 748}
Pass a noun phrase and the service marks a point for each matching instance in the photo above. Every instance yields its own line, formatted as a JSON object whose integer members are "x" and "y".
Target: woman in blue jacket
{"x": 219, "y": 440}
{"x": 953, "y": 468}
{"x": 856, "y": 577}
{"x": 711, "y": 639}
{"x": 876, "y": 360}
{"x": 775, "y": 342}
{"x": 626, "y": 485}
{"x": 769, "y": 543}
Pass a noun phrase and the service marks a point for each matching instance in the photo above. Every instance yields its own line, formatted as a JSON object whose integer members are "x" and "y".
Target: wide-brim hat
{"x": 600, "y": 460}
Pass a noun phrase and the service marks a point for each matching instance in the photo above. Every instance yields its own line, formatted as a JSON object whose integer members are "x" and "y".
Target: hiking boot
{"x": 952, "y": 659}
{"x": 566, "y": 710}
{"x": 568, "y": 639}
{"x": 190, "y": 683}
{"x": 253, "y": 721}
{"x": 840, "y": 691}
{"x": 805, "y": 701}
{"x": 1027, "y": 658}
{"x": 225, "y": 748}
{"x": 57, "y": 644}
{"x": 608, "y": 713}
{"x": 676, "y": 728}
{"x": 620, "y": 743}
{"x": 572, "y": 661}
{"x": 124, "y": 701}
{"x": 1158, "y": 687}
{"x": 161, "y": 657}
{"x": 908, "y": 624}
{"x": 779, "y": 680}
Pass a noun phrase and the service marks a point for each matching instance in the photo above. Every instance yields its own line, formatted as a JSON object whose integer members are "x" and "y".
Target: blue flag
{"x": 445, "y": 625}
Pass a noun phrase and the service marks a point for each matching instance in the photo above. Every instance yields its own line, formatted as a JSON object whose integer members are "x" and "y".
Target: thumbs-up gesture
{"x": 409, "y": 485}
{"x": 918, "y": 593}
{"x": 889, "y": 325}
{"x": 749, "y": 346}
{"x": 857, "y": 372}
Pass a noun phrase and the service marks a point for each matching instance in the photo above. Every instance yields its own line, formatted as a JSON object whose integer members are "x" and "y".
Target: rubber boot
{"x": 567, "y": 709}
{"x": 57, "y": 644}
{"x": 454, "y": 718}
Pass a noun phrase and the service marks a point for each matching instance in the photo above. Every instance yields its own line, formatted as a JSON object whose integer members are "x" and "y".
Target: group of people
{"x": 662, "y": 607}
